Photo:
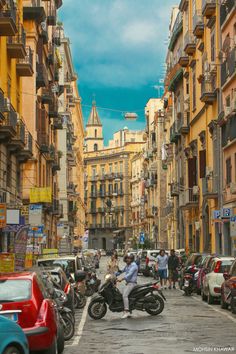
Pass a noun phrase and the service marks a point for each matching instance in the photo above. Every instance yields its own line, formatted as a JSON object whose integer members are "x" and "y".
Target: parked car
{"x": 228, "y": 289}
{"x": 74, "y": 263}
{"x": 148, "y": 259}
{"x": 211, "y": 285}
{"x": 12, "y": 338}
{"x": 204, "y": 267}
{"x": 59, "y": 277}
{"x": 192, "y": 261}
{"x": 25, "y": 300}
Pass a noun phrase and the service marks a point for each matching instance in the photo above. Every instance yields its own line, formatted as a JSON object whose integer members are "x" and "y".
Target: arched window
{"x": 95, "y": 147}
{"x": 95, "y": 133}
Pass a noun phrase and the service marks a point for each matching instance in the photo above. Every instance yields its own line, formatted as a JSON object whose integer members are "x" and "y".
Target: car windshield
{"x": 225, "y": 266}
{"x": 14, "y": 290}
{"x": 65, "y": 264}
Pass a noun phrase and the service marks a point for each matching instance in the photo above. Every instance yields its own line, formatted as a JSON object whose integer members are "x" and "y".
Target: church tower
{"x": 94, "y": 137}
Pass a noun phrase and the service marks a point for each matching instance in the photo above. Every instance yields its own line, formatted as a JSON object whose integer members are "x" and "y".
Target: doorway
{"x": 104, "y": 243}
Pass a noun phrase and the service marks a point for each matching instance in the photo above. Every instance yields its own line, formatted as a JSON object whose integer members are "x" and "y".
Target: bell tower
{"x": 94, "y": 132}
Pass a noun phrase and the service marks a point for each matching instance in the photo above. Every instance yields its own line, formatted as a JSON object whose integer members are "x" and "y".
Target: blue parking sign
{"x": 141, "y": 238}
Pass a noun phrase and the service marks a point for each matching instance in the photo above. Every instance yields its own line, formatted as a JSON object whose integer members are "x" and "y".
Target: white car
{"x": 148, "y": 259}
{"x": 211, "y": 285}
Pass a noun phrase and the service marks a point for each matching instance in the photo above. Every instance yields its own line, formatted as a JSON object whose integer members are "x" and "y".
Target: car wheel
{"x": 223, "y": 304}
{"x": 210, "y": 298}
{"x": 60, "y": 339}
{"x": 12, "y": 350}
{"x": 204, "y": 297}
{"x": 198, "y": 291}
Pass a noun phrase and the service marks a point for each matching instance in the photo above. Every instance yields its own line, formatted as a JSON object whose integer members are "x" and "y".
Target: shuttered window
{"x": 192, "y": 172}
{"x": 202, "y": 160}
{"x": 228, "y": 171}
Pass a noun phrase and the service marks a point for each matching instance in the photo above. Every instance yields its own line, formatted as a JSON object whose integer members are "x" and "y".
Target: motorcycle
{"x": 190, "y": 280}
{"x": 92, "y": 284}
{"x": 66, "y": 316}
{"x": 79, "y": 298}
{"x": 146, "y": 297}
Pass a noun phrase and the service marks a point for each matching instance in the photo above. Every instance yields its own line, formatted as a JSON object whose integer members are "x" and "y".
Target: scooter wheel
{"x": 68, "y": 326}
{"x": 81, "y": 301}
{"x": 97, "y": 310}
{"x": 155, "y": 308}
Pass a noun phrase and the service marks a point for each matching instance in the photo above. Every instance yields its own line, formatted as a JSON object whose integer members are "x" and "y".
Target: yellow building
{"x": 15, "y": 138}
{"x": 107, "y": 188}
{"x": 198, "y": 193}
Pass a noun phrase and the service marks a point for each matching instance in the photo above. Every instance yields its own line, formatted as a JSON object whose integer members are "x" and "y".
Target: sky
{"x": 118, "y": 49}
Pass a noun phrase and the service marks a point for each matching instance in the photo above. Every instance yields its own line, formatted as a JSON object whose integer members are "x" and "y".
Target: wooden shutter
{"x": 202, "y": 159}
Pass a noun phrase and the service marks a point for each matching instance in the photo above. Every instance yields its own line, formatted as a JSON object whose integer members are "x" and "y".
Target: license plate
{"x": 11, "y": 316}
{"x": 186, "y": 283}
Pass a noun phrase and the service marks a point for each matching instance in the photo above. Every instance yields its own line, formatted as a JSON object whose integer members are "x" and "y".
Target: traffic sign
{"x": 141, "y": 238}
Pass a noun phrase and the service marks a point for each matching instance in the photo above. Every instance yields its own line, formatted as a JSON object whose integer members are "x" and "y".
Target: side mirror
{"x": 226, "y": 275}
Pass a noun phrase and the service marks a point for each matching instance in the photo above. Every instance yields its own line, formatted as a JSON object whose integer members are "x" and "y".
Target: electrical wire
{"x": 114, "y": 110}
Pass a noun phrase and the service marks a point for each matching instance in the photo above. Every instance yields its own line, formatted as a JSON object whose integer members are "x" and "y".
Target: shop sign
{"x": 35, "y": 214}
{"x": 3, "y": 220}
{"x": 7, "y": 262}
{"x": 41, "y": 195}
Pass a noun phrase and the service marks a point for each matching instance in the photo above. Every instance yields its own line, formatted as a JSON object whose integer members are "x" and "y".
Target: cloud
{"x": 117, "y": 43}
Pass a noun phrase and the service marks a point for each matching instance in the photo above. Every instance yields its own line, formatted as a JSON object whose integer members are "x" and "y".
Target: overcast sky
{"x": 118, "y": 48}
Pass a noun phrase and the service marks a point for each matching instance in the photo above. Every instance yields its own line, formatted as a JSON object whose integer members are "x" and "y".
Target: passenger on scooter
{"x": 131, "y": 273}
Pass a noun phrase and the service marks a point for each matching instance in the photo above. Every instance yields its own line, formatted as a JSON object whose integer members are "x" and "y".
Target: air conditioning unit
{"x": 195, "y": 190}
{"x": 233, "y": 188}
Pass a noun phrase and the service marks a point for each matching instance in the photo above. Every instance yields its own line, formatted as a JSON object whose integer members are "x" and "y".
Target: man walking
{"x": 162, "y": 262}
{"x": 131, "y": 273}
{"x": 173, "y": 263}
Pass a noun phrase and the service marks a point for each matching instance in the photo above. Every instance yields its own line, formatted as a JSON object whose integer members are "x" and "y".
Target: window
{"x": 116, "y": 188}
{"x": 94, "y": 171}
{"x": 121, "y": 166}
{"x": 213, "y": 46}
{"x": 9, "y": 171}
{"x": 116, "y": 167}
{"x": 202, "y": 158}
{"x": 227, "y": 101}
{"x": 187, "y": 87}
{"x": 103, "y": 170}
{"x": 228, "y": 171}
{"x": 95, "y": 133}
{"x": 110, "y": 167}
{"x": 194, "y": 88}
{"x": 95, "y": 147}
{"x": 121, "y": 187}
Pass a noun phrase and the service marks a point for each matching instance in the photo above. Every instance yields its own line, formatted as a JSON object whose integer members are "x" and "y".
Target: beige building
{"x": 107, "y": 189}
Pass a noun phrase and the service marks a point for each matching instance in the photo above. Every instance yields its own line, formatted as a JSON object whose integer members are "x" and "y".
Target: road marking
{"x": 214, "y": 308}
{"x": 81, "y": 325}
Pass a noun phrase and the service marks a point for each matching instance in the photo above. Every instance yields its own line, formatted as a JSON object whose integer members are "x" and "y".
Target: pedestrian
{"x": 162, "y": 263}
{"x": 113, "y": 265}
{"x": 173, "y": 264}
{"x": 131, "y": 274}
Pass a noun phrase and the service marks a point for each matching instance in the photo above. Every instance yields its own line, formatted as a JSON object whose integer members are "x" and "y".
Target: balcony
{"x": 3, "y": 105}
{"x": 102, "y": 210}
{"x": 71, "y": 188}
{"x": 102, "y": 194}
{"x": 174, "y": 189}
{"x": 183, "y": 5}
{"x": 208, "y": 91}
{"x": 228, "y": 68}
{"x": 111, "y": 225}
{"x": 47, "y": 96}
{"x": 230, "y": 111}
{"x": 8, "y": 125}
{"x": 57, "y": 208}
{"x": 53, "y": 108}
{"x": 226, "y": 9}
{"x": 189, "y": 43}
{"x": 16, "y": 44}
{"x": 56, "y": 37}
{"x": 177, "y": 29}
{"x": 51, "y": 14}
{"x": 198, "y": 24}
{"x": 93, "y": 194}
{"x": 57, "y": 123}
{"x": 183, "y": 59}
{"x": 174, "y": 134}
{"x": 208, "y": 8}
{"x": 34, "y": 10}
{"x": 210, "y": 187}
{"x": 43, "y": 141}
{"x": 27, "y": 152}
{"x": 56, "y": 163}
{"x": 8, "y": 20}
{"x": 69, "y": 92}
{"x": 183, "y": 123}
{"x": 24, "y": 67}
{"x": 42, "y": 76}
{"x": 18, "y": 142}
{"x": 188, "y": 199}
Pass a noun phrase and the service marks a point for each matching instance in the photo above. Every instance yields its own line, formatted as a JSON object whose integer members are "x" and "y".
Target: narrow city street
{"x": 186, "y": 325}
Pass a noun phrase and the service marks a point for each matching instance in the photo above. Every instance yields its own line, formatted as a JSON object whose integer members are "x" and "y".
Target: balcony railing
{"x": 188, "y": 198}
{"x": 189, "y": 43}
{"x": 178, "y": 25}
{"x": 182, "y": 123}
{"x": 16, "y": 44}
{"x": 174, "y": 134}
{"x": 230, "y": 110}
{"x": 51, "y": 14}
{"x": 8, "y": 19}
{"x": 93, "y": 195}
{"x": 24, "y": 66}
{"x": 183, "y": 59}
{"x": 228, "y": 67}
{"x": 34, "y": 10}
{"x": 208, "y": 8}
{"x": 198, "y": 24}
{"x": 43, "y": 141}
{"x": 208, "y": 91}
{"x": 8, "y": 126}
{"x": 210, "y": 187}
{"x": 225, "y": 9}
{"x": 42, "y": 75}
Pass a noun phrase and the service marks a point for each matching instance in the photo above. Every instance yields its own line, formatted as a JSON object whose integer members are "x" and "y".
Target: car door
{"x": 228, "y": 282}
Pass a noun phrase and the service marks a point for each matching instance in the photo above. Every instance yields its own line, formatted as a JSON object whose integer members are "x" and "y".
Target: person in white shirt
{"x": 162, "y": 265}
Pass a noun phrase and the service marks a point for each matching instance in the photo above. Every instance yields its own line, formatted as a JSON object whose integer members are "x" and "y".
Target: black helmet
{"x": 130, "y": 256}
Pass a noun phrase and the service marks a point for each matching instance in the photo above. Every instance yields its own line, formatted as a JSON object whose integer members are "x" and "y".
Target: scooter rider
{"x": 131, "y": 273}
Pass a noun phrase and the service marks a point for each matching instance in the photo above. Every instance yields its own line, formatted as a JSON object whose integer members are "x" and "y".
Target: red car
{"x": 228, "y": 289}
{"x": 25, "y": 300}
